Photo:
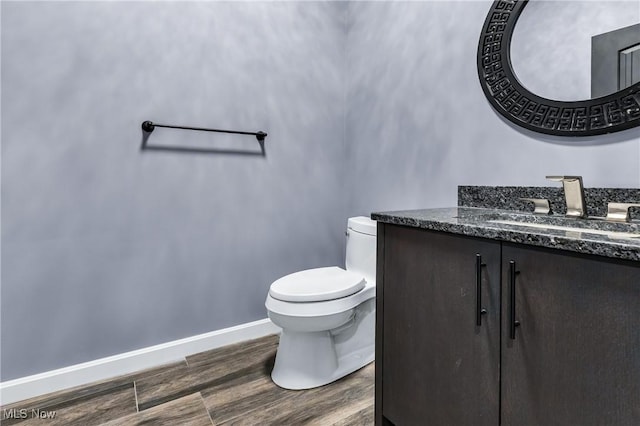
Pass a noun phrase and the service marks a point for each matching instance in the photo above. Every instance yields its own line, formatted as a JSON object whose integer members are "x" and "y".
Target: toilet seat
{"x": 317, "y": 285}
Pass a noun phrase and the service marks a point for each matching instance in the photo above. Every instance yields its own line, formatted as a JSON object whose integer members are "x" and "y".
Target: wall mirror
{"x": 546, "y": 72}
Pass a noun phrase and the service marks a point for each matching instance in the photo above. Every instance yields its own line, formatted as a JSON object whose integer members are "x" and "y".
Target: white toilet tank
{"x": 361, "y": 247}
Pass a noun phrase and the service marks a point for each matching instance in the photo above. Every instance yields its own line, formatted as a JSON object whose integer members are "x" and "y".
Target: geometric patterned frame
{"x": 607, "y": 114}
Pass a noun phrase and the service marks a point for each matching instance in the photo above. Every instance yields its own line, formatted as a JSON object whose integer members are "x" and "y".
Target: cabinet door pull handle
{"x": 479, "y": 310}
{"x": 512, "y": 309}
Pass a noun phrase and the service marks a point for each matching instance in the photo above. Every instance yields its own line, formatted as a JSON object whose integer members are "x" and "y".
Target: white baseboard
{"x": 51, "y": 381}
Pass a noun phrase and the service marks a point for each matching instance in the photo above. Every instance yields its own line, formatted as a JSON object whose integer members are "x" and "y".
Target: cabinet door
{"x": 439, "y": 367}
{"x": 575, "y": 359}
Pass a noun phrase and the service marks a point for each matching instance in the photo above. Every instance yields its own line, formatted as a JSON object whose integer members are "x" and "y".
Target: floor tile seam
{"x": 205, "y": 408}
{"x": 135, "y": 392}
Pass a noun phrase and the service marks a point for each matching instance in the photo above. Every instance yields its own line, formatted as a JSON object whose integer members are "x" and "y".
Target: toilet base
{"x": 309, "y": 360}
{"x": 306, "y": 360}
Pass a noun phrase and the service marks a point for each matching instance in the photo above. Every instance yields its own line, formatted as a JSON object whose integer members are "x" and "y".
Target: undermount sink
{"x": 610, "y": 234}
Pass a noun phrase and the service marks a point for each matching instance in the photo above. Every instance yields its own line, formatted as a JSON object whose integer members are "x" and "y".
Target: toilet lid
{"x": 315, "y": 285}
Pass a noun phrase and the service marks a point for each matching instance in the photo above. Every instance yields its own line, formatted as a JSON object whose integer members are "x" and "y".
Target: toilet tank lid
{"x": 362, "y": 224}
{"x": 317, "y": 285}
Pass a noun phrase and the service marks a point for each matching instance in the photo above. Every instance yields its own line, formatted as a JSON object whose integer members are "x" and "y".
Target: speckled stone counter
{"x": 480, "y": 222}
{"x": 508, "y": 198}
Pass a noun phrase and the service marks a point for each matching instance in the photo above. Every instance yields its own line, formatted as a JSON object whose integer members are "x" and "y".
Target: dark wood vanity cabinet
{"x": 438, "y": 367}
{"x": 575, "y": 359}
{"x": 575, "y": 356}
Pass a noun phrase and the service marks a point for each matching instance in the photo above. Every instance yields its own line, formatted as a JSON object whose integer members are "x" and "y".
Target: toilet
{"x": 327, "y": 315}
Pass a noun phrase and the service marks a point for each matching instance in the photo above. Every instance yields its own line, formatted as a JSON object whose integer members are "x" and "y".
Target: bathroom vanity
{"x": 495, "y": 317}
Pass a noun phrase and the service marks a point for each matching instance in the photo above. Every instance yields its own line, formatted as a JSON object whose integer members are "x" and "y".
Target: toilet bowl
{"x": 327, "y": 315}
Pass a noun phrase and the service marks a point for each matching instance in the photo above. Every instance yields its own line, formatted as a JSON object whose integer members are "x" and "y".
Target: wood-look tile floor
{"x": 224, "y": 386}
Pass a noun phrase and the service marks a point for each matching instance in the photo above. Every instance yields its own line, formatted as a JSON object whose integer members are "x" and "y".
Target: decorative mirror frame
{"x": 607, "y": 114}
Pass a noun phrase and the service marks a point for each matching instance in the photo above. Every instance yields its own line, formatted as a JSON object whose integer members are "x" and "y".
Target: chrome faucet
{"x": 574, "y": 194}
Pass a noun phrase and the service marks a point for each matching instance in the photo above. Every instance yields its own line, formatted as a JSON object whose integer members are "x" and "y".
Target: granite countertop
{"x": 479, "y": 222}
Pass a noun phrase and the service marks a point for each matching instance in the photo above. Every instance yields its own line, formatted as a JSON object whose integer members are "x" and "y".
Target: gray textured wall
{"x": 107, "y": 249}
{"x": 419, "y": 124}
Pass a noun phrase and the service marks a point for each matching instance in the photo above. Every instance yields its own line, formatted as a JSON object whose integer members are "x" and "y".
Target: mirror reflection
{"x": 553, "y": 53}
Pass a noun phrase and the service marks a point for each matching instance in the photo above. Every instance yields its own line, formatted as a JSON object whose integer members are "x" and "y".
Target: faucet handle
{"x": 541, "y": 205}
{"x": 619, "y": 212}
